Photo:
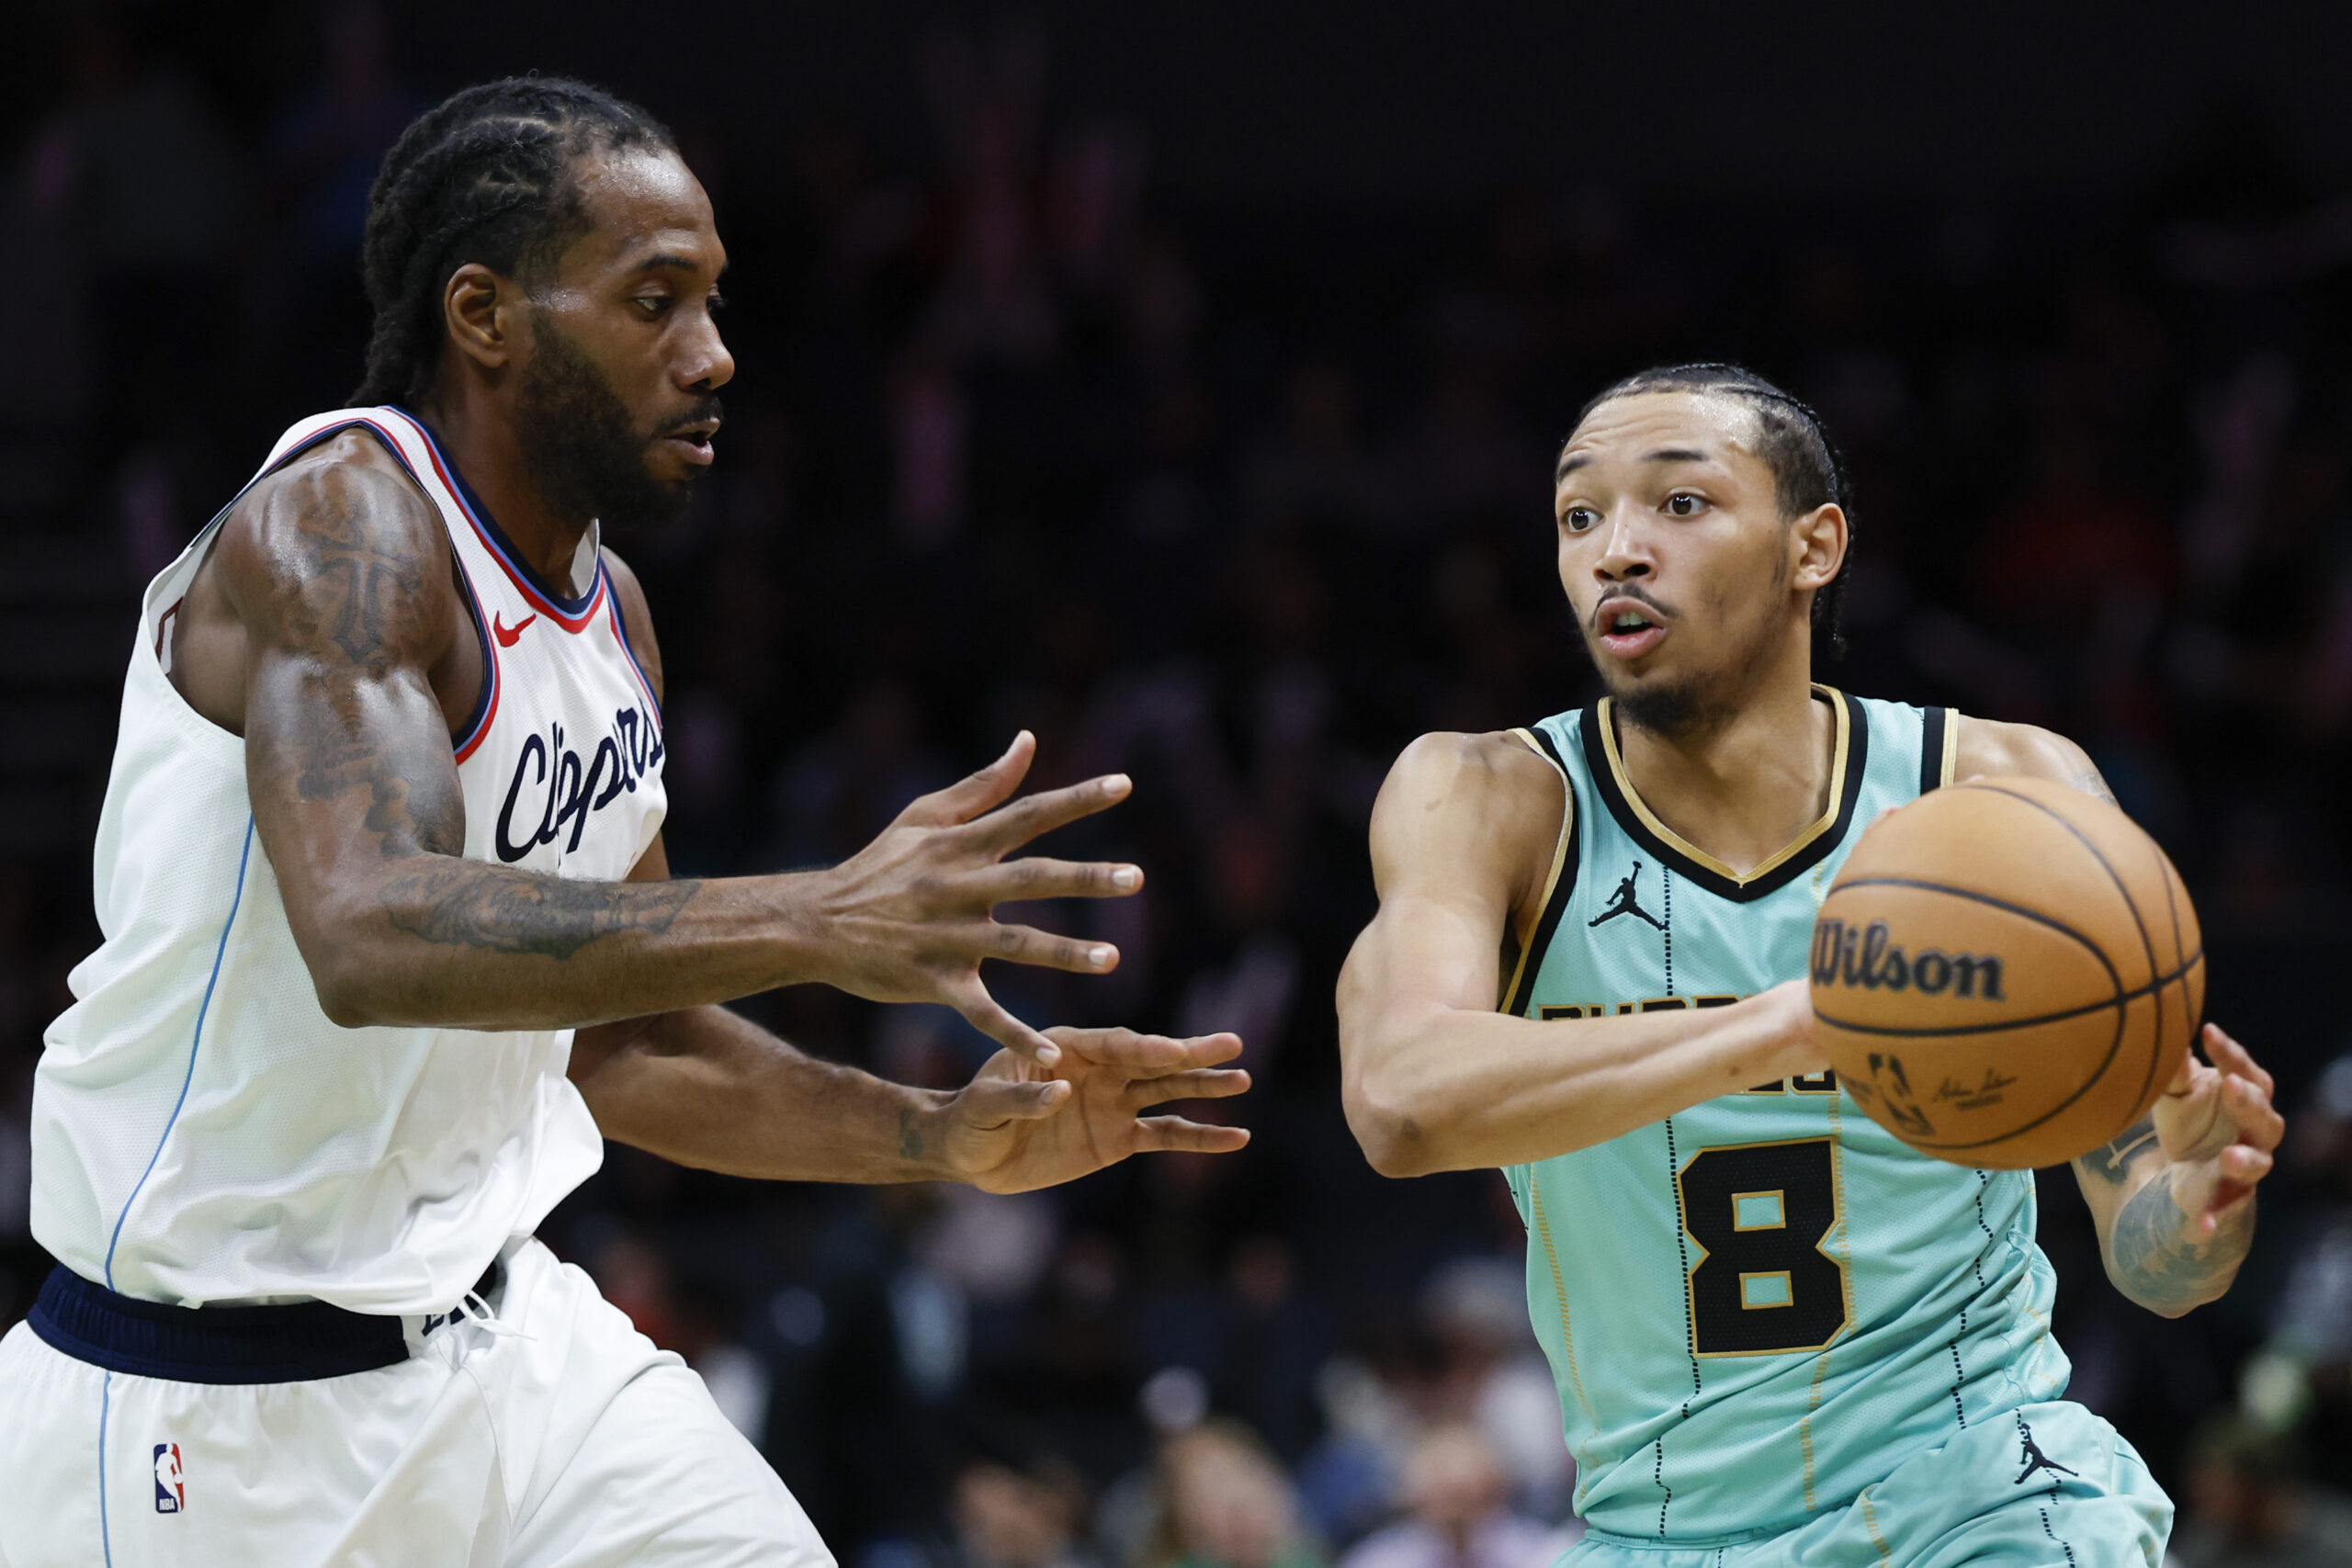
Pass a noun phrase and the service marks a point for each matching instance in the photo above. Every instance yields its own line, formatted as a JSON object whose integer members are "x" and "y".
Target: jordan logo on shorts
{"x": 171, "y": 1491}
{"x": 2033, "y": 1458}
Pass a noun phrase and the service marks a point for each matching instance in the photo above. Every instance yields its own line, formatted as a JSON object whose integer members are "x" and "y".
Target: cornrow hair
{"x": 1807, "y": 470}
{"x": 485, "y": 176}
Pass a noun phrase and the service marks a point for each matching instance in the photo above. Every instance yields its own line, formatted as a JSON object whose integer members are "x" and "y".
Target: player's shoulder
{"x": 1992, "y": 747}
{"x": 1492, "y": 787}
{"x": 1496, "y": 761}
{"x": 346, "y": 493}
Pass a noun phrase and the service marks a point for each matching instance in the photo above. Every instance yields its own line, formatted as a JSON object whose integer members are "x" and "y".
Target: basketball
{"x": 2007, "y": 973}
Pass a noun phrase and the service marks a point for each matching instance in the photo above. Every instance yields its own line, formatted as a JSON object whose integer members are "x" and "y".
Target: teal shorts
{"x": 2051, "y": 1485}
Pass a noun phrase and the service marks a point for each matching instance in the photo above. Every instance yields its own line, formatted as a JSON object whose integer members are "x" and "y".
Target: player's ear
{"x": 1818, "y": 545}
{"x": 479, "y": 308}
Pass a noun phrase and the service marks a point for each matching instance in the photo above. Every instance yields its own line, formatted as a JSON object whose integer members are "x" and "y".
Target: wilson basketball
{"x": 2007, "y": 973}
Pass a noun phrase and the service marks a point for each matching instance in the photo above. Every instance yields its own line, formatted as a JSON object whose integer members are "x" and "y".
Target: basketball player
{"x": 390, "y": 942}
{"x": 1780, "y": 1335}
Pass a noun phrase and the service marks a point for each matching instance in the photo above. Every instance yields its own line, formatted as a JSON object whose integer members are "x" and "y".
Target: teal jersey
{"x": 1758, "y": 1306}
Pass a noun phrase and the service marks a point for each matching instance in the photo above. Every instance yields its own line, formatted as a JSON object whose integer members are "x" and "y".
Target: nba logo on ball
{"x": 171, "y": 1495}
{"x": 2007, "y": 973}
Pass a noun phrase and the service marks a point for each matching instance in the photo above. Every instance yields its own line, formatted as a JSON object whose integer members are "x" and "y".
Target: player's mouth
{"x": 692, "y": 442}
{"x": 1629, "y": 628}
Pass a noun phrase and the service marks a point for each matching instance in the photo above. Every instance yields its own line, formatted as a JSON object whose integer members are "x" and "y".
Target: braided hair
{"x": 486, "y": 177}
{"x": 1807, "y": 471}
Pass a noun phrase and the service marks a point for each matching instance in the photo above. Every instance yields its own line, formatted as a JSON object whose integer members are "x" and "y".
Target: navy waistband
{"x": 300, "y": 1342}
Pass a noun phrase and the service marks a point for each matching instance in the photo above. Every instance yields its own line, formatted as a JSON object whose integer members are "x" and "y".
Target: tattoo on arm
{"x": 350, "y": 618}
{"x": 466, "y": 904}
{"x": 2155, "y": 1261}
{"x": 910, "y": 1136}
{"x": 2111, "y": 1161}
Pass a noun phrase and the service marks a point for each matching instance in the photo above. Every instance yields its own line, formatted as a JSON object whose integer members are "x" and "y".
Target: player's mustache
{"x": 1634, "y": 593}
{"x": 705, "y": 410}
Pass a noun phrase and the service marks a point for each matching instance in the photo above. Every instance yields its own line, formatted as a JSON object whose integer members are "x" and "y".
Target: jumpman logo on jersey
{"x": 1624, "y": 902}
{"x": 2033, "y": 1458}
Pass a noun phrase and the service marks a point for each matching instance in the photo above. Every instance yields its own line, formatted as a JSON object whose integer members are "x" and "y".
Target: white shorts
{"x": 572, "y": 1442}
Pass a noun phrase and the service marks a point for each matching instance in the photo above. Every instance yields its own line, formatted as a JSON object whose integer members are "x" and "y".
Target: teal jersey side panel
{"x": 1755, "y": 1308}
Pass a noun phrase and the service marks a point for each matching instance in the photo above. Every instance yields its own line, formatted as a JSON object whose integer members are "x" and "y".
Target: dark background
{"x": 1181, "y": 384}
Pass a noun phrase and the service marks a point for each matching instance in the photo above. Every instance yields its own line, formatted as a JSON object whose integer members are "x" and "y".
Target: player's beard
{"x": 586, "y": 457}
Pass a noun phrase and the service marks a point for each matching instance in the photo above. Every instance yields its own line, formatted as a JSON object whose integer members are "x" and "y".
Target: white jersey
{"x": 201, "y": 1133}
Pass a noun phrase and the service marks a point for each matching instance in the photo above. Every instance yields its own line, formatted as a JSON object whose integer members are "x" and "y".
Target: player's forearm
{"x": 706, "y": 1087}
{"x": 1445, "y": 1088}
{"x": 2154, "y": 1256}
{"x": 437, "y": 941}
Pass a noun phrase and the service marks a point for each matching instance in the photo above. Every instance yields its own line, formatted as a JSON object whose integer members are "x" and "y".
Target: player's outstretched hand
{"x": 1018, "y": 1125}
{"x": 908, "y": 918}
{"x": 2217, "y": 1126}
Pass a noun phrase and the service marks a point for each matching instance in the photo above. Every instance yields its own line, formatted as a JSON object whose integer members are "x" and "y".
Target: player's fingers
{"x": 1154, "y": 1055}
{"x": 2231, "y": 1057}
{"x": 991, "y": 1102}
{"x": 976, "y": 791}
{"x": 1037, "y": 876}
{"x": 1164, "y": 1133}
{"x": 1199, "y": 1083}
{"x": 1012, "y": 826}
{"x": 2243, "y": 1165}
{"x": 2259, "y": 1121}
{"x": 983, "y": 1013}
{"x": 1044, "y": 950}
{"x": 1124, "y": 1050}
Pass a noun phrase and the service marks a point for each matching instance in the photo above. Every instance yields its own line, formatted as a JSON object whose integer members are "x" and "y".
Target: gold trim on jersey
{"x": 1950, "y": 763}
{"x": 1551, "y": 881}
{"x": 1795, "y": 846}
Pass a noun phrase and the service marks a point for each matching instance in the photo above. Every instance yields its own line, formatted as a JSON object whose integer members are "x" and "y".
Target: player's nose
{"x": 1624, "y": 546}
{"x": 705, "y": 364}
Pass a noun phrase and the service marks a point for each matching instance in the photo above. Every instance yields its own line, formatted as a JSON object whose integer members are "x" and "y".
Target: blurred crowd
{"x": 1239, "y": 500}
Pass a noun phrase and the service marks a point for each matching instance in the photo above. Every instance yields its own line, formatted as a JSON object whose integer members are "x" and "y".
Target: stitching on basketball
{"x": 2147, "y": 943}
{"x": 2120, "y": 1002}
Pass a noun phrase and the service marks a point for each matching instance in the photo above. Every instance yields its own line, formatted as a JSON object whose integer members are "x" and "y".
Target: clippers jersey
{"x": 1755, "y": 1308}
{"x": 201, "y": 1131}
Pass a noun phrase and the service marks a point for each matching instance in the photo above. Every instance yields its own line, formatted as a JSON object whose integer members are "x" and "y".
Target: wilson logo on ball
{"x": 1866, "y": 959}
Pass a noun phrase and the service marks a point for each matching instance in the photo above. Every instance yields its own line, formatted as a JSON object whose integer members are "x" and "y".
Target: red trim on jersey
{"x": 467, "y": 745}
{"x": 571, "y": 621}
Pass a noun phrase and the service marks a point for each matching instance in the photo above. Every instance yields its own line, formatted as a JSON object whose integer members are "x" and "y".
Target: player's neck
{"x": 481, "y": 441}
{"x": 1745, "y": 786}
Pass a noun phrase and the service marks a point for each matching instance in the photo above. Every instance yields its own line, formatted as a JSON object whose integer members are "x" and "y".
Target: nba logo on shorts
{"x": 171, "y": 1495}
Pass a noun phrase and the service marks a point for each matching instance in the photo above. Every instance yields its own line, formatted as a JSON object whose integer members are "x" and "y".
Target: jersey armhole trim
{"x": 1558, "y": 884}
{"x": 1938, "y": 748}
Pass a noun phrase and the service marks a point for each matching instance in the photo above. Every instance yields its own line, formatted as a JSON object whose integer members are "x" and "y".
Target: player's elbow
{"x": 347, "y": 971}
{"x": 1395, "y": 1140}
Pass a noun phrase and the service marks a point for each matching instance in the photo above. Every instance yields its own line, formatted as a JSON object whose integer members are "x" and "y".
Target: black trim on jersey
{"x": 1604, "y": 779}
{"x": 1931, "y": 748}
{"x": 1539, "y": 941}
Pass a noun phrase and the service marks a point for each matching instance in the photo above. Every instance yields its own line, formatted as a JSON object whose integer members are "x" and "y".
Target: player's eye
{"x": 651, "y": 304}
{"x": 1683, "y": 504}
{"x": 1576, "y": 519}
{"x": 716, "y": 303}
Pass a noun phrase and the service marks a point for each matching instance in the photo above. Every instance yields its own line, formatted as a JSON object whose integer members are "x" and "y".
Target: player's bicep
{"x": 340, "y": 579}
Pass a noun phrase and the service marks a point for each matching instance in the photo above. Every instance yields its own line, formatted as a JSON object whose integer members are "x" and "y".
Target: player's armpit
{"x": 1988, "y": 748}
